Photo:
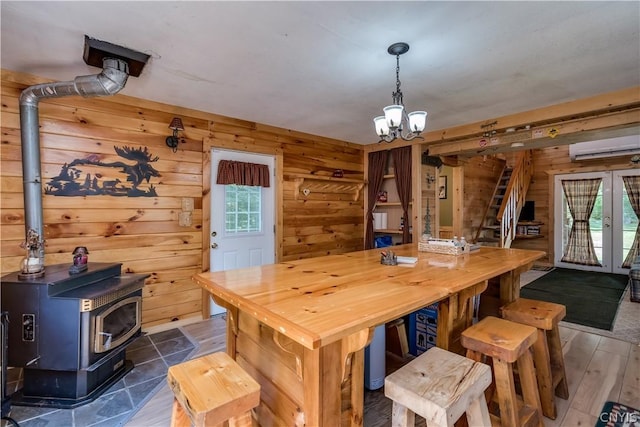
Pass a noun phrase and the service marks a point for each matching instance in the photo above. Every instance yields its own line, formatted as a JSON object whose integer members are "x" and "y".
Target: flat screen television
{"x": 528, "y": 211}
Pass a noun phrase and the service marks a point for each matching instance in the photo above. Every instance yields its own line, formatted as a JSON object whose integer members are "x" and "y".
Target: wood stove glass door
{"x": 117, "y": 324}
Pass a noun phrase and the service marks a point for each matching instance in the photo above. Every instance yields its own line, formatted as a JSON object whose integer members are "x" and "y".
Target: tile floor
{"x": 151, "y": 354}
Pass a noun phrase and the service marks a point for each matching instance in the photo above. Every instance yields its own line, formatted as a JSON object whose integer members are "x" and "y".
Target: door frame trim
{"x": 207, "y": 145}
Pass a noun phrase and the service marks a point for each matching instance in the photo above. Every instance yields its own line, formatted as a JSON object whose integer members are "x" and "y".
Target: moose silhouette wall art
{"x": 90, "y": 176}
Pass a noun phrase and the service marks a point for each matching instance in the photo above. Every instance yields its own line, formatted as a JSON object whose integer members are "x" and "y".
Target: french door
{"x": 595, "y": 224}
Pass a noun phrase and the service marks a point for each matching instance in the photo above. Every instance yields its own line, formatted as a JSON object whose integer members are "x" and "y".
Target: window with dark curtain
{"x": 242, "y": 173}
{"x": 377, "y": 164}
{"x": 402, "y": 162}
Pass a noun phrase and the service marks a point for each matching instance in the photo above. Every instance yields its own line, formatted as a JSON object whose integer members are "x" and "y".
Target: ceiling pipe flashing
{"x": 96, "y": 50}
{"x": 109, "y": 82}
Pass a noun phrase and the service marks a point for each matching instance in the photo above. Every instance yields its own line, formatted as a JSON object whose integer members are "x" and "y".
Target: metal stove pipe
{"x": 109, "y": 82}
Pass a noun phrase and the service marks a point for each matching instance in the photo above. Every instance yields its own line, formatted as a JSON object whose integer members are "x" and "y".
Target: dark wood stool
{"x": 440, "y": 386}
{"x": 506, "y": 343}
{"x": 547, "y": 350}
{"x": 210, "y": 390}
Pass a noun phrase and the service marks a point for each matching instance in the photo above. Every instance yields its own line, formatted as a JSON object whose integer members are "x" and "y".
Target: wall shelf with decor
{"x": 385, "y": 176}
{"x": 388, "y": 231}
{"x": 382, "y": 204}
{"x": 528, "y": 230}
{"x": 325, "y": 184}
{"x": 391, "y": 208}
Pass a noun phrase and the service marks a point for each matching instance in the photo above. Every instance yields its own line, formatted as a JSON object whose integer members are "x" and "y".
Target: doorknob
{"x": 214, "y": 246}
{"x": 607, "y": 221}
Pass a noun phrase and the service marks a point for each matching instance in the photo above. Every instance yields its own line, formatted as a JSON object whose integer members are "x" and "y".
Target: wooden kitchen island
{"x": 299, "y": 327}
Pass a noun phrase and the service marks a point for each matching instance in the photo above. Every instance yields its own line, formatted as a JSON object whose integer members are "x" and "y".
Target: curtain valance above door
{"x": 242, "y": 173}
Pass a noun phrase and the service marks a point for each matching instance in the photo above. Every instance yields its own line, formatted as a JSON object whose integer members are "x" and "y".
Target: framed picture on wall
{"x": 442, "y": 187}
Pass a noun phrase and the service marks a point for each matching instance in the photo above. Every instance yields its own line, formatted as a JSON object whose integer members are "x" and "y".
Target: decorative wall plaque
{"x": 92, "y": 177}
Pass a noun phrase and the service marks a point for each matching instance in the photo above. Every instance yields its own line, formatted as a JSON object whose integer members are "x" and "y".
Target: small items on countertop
{"x": 388, "y": 258}
{"x": 446, "y": 246}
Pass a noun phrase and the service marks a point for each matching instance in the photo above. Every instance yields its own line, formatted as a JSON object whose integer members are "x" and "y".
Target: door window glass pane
{"x": 243, "y": 209}
{"x": 629, "y": 224}
{"x": 596, "y": 224}
{"x": 567, "y": 223}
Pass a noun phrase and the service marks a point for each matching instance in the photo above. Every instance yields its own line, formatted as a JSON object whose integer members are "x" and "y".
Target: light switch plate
{"x": 187, "y": 204}
{"x": 184, "y": 219}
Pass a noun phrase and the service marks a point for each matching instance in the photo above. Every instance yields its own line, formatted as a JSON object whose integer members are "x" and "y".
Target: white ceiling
{"x": 323, "y": 67}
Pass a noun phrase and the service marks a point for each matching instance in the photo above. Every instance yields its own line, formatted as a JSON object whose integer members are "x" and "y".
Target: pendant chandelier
{"x": 396, "y": 123}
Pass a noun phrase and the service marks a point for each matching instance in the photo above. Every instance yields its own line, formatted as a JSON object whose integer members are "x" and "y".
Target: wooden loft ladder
{"x": 498, "y": 226}
{"x": 488, "y": 232}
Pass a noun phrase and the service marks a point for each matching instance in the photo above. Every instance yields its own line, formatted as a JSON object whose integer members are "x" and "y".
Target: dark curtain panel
{"x": 242, "y": 173}
{"x": 377, "y": 165}
{"x": 402, "y": 163}
{"x": 632, "y": 185}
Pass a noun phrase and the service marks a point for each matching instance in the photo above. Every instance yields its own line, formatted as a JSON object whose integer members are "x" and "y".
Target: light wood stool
{"x": 210, "y": 390}
{"x": 507, "y": 342}
{"x": 547, "y": 350}
{"x": 439, "y": 386}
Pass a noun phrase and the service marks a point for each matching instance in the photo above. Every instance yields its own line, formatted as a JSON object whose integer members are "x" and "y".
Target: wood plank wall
{"x": 143, "y": 233}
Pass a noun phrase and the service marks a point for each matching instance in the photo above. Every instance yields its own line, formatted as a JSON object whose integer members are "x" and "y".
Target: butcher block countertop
{"x": 317, "y": 301}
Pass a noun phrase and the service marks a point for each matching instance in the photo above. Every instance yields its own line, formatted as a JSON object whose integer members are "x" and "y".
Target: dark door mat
{"x": 592, "y": 299}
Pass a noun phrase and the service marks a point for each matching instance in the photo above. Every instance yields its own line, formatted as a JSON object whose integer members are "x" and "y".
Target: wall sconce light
{"x": 172, "y": 141}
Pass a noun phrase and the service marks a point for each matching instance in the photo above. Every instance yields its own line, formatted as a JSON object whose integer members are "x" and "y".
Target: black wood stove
{"x": 68, "y": 327}
{"x": 69, "y": 332}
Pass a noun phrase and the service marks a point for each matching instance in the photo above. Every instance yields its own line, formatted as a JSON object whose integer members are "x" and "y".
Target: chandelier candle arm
{"x": 396, "y": 123}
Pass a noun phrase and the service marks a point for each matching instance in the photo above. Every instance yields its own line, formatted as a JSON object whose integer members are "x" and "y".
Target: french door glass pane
{"x": 567, "y": 223}
{"x": 595, "y": 224}
{"x": 629, "y": 224}
{"x": 243, "y": 209}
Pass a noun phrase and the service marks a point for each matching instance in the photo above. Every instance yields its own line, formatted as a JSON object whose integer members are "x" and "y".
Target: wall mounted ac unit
{"x": 613, "y": 147}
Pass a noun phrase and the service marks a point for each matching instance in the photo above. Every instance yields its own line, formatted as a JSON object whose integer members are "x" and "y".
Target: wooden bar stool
{"x": 439, "y": 386}
{"x": 547, "y": 350}
{"x": 507, "y": 342}
{"x": 210, "y": 390}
